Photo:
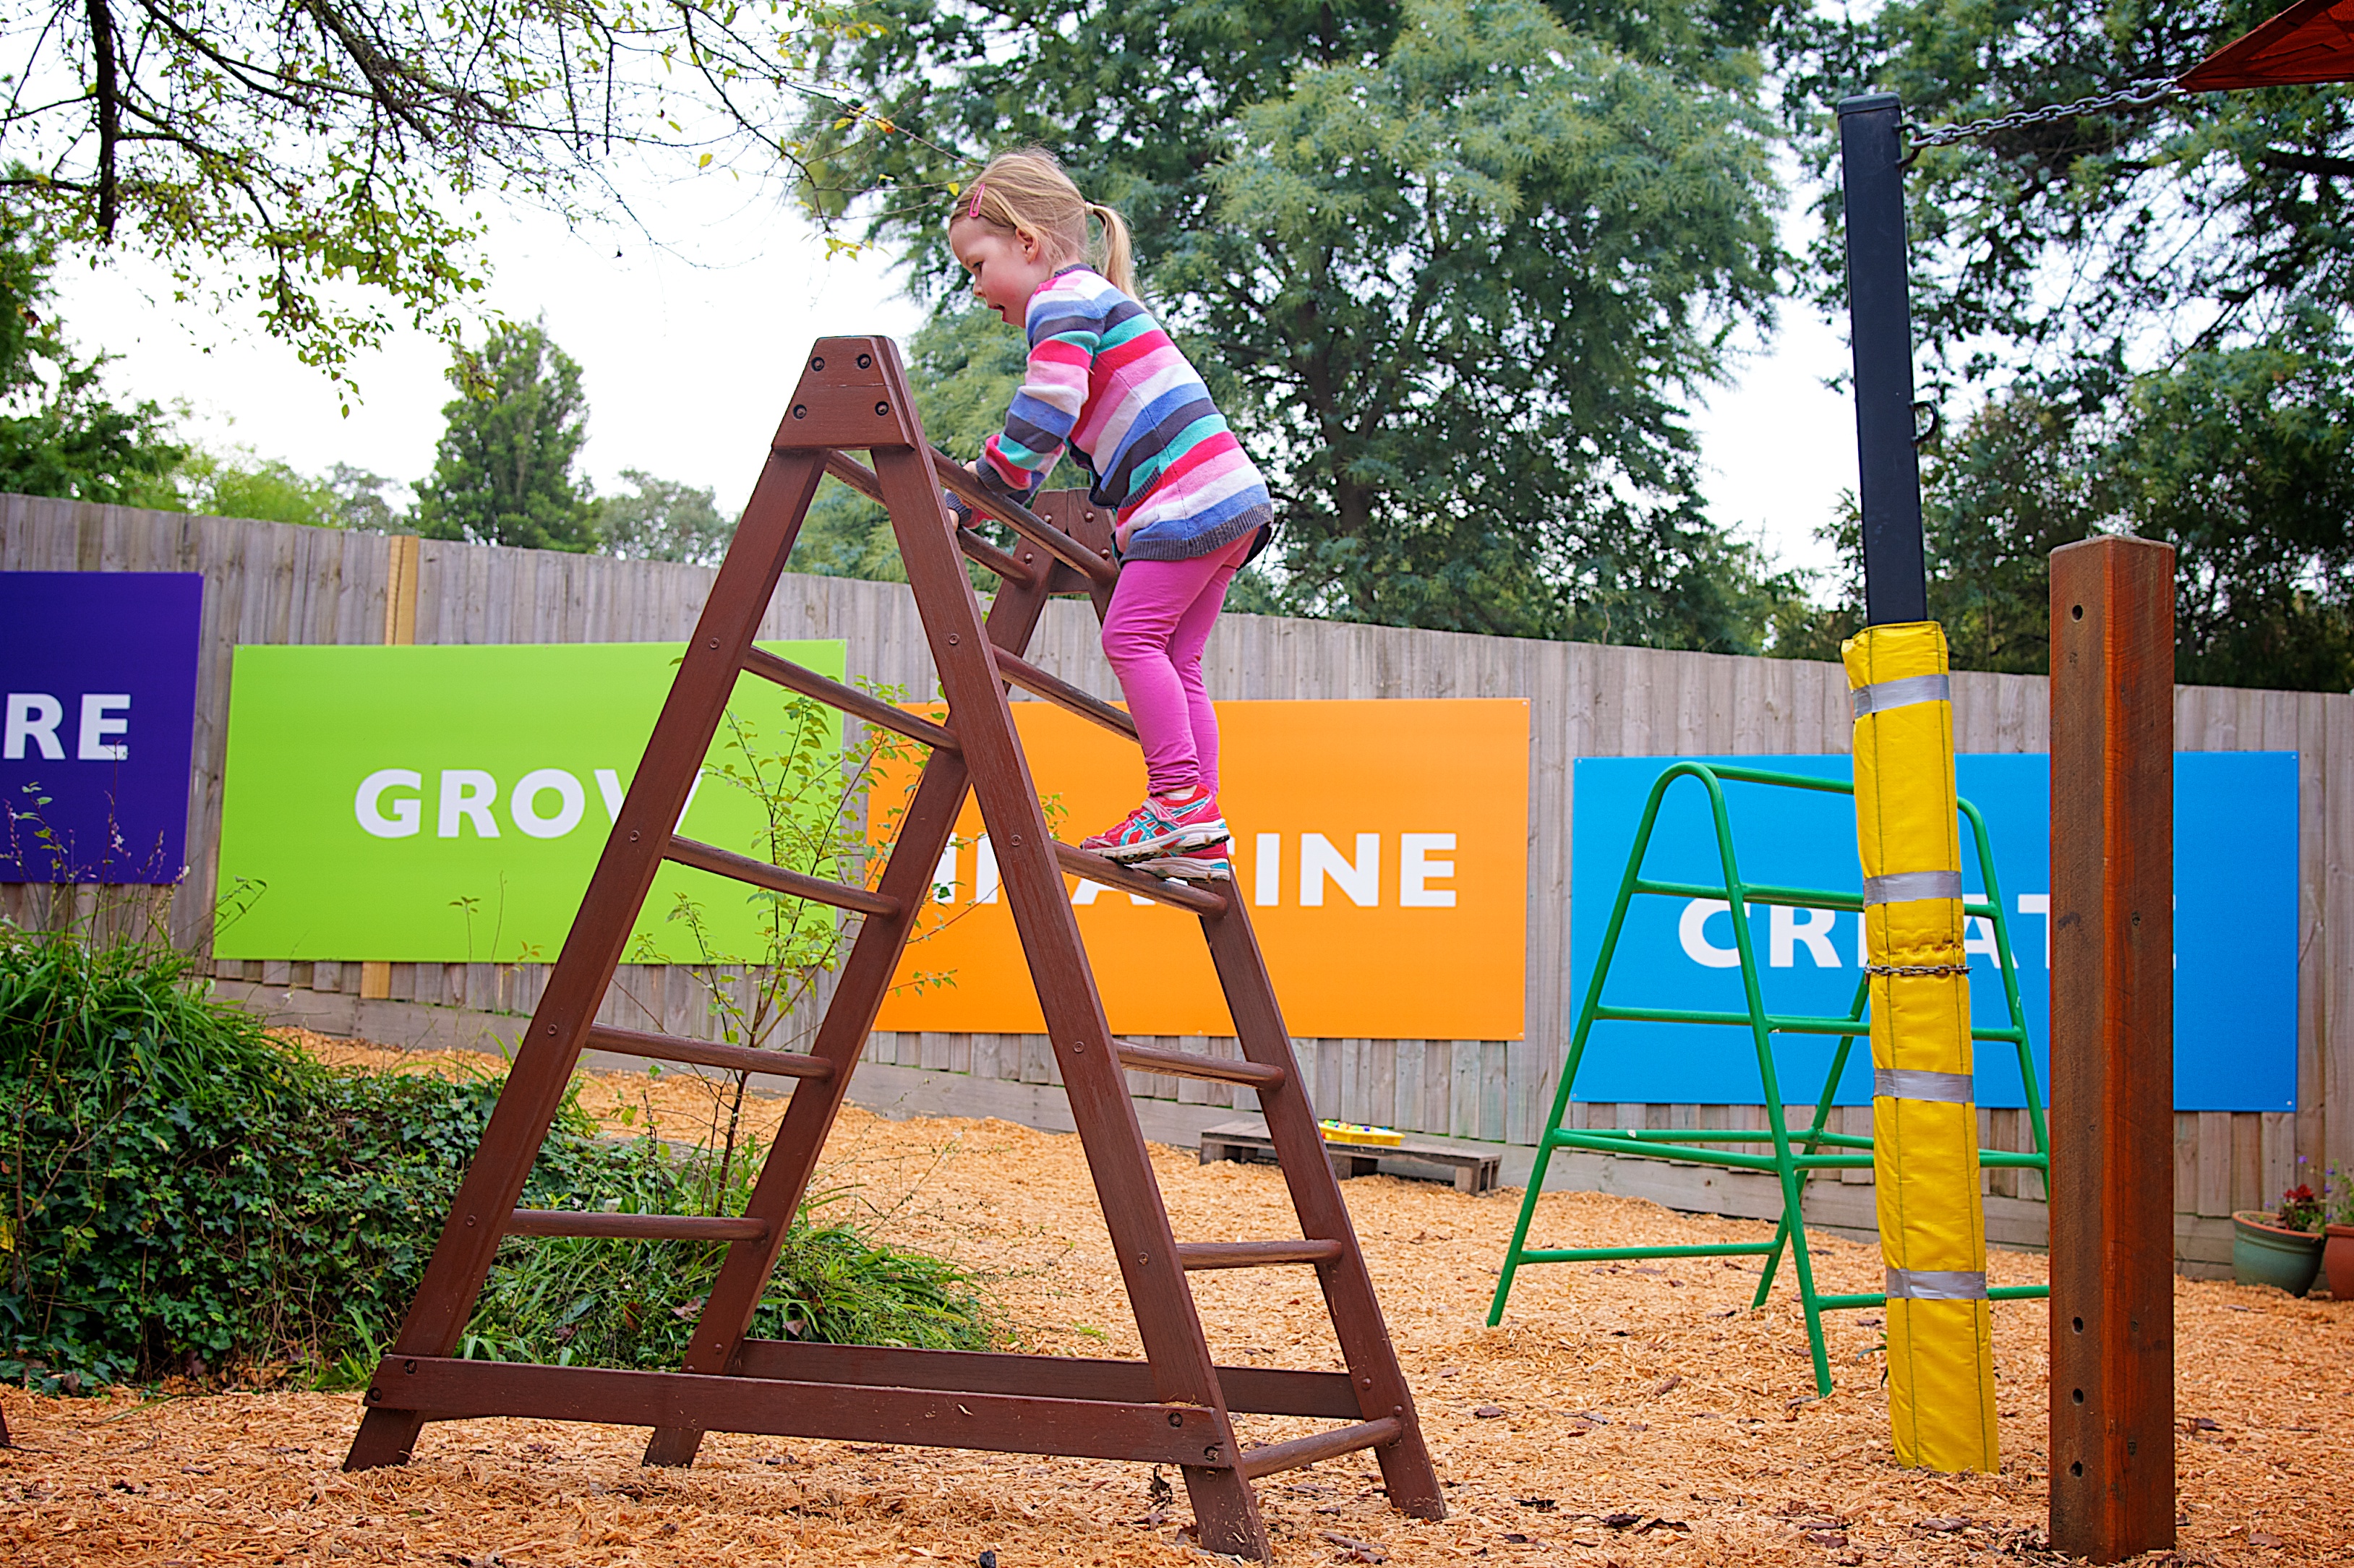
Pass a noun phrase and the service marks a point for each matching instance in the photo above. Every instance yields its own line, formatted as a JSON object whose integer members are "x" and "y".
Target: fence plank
{"x": 2214, "y": 1156}
{"x": 2248, "y": 1163}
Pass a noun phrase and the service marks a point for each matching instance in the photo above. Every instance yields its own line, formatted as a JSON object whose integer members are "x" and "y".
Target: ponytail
{"x": 1118, "y": 249}
{"x": 1027, "y": 191}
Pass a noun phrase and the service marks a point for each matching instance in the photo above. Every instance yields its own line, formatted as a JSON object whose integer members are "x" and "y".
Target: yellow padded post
{"x": 1924, "y": 1120}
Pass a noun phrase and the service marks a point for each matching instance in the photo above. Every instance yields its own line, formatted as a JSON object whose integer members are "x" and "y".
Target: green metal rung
{"x": 1640, "y": 1148}
{"x": 1615, "y": 1254}
{"x": 1876, "y": 1298}
{"x": 1797, "y": 1153}
{"x": 1699, "y": 1135}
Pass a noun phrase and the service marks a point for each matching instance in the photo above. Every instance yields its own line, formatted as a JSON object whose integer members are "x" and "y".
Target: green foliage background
{"x": 60, "y": 433}
{"x": 502, "y": 471}
{"x": 2144, "y": 312}
{"x": 185, "y": 1194}
{"x": 1454, "y": 268}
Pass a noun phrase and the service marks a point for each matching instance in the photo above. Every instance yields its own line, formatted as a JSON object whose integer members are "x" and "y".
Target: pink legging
{"x": 1159, "y": 620}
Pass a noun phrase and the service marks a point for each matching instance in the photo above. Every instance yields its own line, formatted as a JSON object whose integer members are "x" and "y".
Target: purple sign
{"x": 98, "y": 709}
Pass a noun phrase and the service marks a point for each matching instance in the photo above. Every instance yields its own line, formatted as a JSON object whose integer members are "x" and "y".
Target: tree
{"x": 2149, "y": 306}
{"x": 242, "y": 484}
{"x": 1451, "y": 266}
{"x": 308, "y": 146}
{"x": 60, "y": 433}
{"x": 665, "y": 521}
{"x": 502, "y": 471}
{"x": 2114, "y": 239}
{"x": 2241, "y": 458}
{"x": 361, "y": 501}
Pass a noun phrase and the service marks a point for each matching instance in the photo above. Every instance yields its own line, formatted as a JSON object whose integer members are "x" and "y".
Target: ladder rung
{"x": 856, "y": 475}
{"x": 1111, "y": 874}
{"x": 849, "y": 699}
{"x": 1063, "y": 695}
{"x": 982, "y": 552}
{"x": 955, "y": 477}
{"x": 1330, "y": 1444}
{"x": 1185, "y": 1064}
{"x": 635, "y": 1227}
{"x": 707, "y": 1053}
{"x": 1254, "y": 1255}
{"x": 775, "y": 879}
{"x": 860, "y": 478}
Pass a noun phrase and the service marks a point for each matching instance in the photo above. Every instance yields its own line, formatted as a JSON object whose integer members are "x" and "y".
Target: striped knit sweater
{"x": 1104, "y": 380}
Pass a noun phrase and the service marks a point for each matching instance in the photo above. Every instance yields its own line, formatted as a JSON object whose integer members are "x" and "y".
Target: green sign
{"x": 447, "y": 805}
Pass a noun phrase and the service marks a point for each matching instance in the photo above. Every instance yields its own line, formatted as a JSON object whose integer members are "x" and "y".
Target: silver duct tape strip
{"x": 1935, "y": 1285}
{"x": 1919, "y": 1084}
{"x": 1910, "y": 886}
{"x": 1883, "y": 695}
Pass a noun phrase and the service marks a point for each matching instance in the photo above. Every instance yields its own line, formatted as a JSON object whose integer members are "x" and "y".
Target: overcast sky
{"x": 688, "y": 353}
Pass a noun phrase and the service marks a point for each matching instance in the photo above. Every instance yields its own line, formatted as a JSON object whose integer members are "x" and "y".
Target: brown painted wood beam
{"x": 706, "y": 1052}
{"x": 636, "y": 1227}
{"x": 2112, "y": 1410}
{"x": 1261, "y": 1391}
{"x": 1301, "y": 1451}
{"x": 1185, "y": 1064}
{"x": 447, "y": 1389}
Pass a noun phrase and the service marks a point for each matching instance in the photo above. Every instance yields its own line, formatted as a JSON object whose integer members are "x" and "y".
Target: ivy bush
{"x": 182, "y": 1194}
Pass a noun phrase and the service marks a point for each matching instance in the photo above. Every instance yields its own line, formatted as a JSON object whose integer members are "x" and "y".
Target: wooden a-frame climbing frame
{"x": 1175, "y": 1406}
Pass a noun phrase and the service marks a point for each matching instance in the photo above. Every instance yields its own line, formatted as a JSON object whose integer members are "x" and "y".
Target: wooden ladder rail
{"x": 1391, "y": 1425}
{"x": 924, "y": 833}
{"x": 863, "y": 402}
{"x": 546, "y": 1056}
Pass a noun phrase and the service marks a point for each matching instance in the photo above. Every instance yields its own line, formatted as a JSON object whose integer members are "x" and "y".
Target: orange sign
{"x": 1383, "y": 847}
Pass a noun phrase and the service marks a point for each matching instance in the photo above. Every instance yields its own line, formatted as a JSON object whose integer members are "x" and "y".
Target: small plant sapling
{"x": 830, "y": 807}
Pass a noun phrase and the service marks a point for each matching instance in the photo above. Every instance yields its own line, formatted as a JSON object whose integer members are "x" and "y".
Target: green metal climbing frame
{"x": 1796, "y": 1154}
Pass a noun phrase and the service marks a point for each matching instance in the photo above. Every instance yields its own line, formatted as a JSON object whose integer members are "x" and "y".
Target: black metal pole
{"x": 1880, "y": 319}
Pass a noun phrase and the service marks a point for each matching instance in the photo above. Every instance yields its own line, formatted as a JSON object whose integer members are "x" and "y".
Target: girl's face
{"x": 1007, "y": 265}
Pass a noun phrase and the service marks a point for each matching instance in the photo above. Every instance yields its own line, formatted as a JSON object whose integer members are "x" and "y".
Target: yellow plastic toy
{"x": 1358, "y": 1132}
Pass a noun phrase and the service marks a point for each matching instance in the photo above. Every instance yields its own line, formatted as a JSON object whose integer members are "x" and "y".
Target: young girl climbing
{"x": 1105, "y": 381}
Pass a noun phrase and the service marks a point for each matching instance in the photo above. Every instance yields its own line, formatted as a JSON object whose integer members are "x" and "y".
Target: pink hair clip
{"x": 978, "y": 187}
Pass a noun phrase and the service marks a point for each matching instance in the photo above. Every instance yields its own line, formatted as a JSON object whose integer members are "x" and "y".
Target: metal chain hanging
{"x": 2140, "y": 95}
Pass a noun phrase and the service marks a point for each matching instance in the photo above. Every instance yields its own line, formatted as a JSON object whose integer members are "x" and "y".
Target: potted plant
{"x": 2282, "y": 1249}
{"x": 2338, "y": 1250}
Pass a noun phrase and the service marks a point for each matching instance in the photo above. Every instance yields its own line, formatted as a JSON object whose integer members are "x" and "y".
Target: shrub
{"x": 181, "y": 1193}
{"x": 634, "y": 1303}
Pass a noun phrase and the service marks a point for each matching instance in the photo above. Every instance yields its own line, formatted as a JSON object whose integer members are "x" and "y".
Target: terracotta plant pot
{"x": 2337, "y": 1262}
{"x": 2262, "y": 1252}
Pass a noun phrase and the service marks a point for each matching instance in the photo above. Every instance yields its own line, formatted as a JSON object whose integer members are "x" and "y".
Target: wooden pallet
{"x": 1176, "y": 1405}
{"x": 1471, "y": 1170}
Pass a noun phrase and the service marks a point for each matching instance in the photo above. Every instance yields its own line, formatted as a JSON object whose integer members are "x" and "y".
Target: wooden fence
{"x": 273, "y": 583}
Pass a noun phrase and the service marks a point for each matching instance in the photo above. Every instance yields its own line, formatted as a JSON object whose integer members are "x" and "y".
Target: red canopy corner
{"x": 2311, "y": 42}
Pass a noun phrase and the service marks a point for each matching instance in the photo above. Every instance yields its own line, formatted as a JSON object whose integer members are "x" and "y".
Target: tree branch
{"x": 108, "y": 90}
{"x": 2313, "y": 163}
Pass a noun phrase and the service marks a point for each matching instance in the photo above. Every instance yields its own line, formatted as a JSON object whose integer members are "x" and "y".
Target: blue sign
{"x": 2235, "y": 815}
{"x": 98, "y": 709}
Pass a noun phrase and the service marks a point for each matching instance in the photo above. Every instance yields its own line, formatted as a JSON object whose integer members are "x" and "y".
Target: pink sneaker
{"x": 1161, "y": 826}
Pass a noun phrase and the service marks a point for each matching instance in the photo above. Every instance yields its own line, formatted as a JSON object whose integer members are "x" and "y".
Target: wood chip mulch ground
{"x": 1623, "y": 1415}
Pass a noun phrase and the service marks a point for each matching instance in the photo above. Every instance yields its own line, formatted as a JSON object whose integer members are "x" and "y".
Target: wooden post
{"x": 400, "y": 632}
{"x": 2112, "y": 1433}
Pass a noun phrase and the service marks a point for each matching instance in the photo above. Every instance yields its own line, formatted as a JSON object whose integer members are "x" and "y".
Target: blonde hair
{"x": 1027, "y": 191}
